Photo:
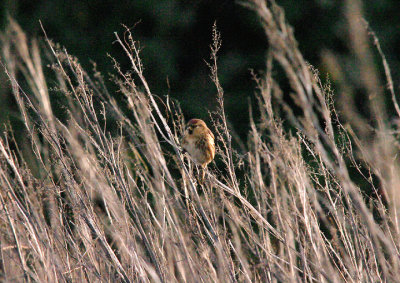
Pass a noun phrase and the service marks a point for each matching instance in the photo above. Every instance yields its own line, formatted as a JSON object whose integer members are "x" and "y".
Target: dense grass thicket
{"x": 100, "y": 191}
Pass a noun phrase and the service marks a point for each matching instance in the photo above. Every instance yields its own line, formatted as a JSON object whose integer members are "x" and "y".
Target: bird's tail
{"x": 202, "y": 174}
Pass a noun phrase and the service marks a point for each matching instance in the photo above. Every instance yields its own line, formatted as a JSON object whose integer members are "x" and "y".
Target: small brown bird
{"x": 198, "y": 141}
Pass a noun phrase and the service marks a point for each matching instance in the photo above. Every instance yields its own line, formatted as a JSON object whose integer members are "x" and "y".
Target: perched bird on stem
{"x": 198, "y": 142}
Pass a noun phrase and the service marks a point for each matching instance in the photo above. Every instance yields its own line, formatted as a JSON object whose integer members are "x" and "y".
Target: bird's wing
{"x": 211, "y": 133}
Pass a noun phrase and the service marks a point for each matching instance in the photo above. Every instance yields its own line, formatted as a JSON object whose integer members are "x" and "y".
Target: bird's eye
{"x": 190, "y": 131}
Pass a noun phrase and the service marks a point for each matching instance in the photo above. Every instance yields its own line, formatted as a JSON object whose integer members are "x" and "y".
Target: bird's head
{"x": 196, "y": 126}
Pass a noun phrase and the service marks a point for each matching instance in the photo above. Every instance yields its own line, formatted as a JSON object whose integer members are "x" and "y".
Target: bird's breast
{"x": 200, "y": 150}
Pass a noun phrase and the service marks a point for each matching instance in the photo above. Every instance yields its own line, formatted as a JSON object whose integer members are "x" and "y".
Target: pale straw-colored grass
{"x": 104, "y": 194}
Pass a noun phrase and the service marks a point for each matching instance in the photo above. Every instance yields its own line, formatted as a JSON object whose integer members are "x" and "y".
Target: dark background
{"x": 175, "y": 36}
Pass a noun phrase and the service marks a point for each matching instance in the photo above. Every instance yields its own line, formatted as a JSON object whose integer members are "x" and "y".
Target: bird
{"x": 198, "y": 142}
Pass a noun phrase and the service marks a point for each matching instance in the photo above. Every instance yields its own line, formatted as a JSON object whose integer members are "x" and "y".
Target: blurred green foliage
{"x": 175, "y": 37}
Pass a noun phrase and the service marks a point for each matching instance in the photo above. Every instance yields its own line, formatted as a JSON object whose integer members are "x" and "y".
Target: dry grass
{"x": 103, "y": 193}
